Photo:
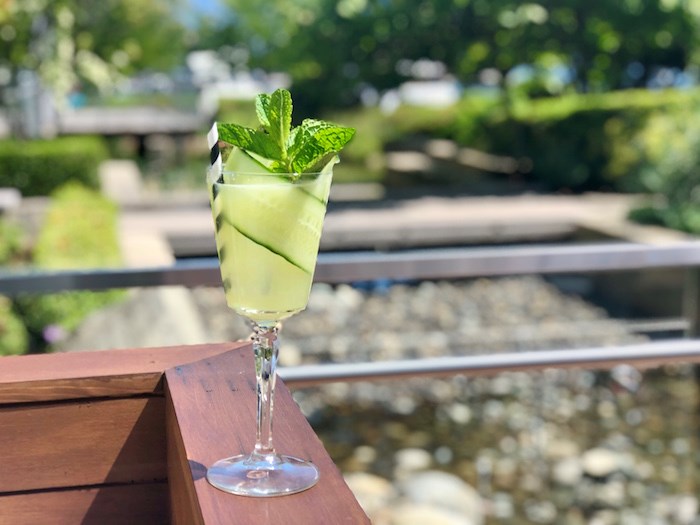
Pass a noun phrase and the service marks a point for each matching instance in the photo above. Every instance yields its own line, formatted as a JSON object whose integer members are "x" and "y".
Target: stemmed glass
{"x": 268, "y": 228}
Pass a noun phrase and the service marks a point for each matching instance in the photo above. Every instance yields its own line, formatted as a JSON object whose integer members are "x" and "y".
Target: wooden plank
{"x": 109, "y": 373}
{"x": 80, "y": 443}
{"x": 142, "y": 504}
{"x": 213, "y": 403}
{"x": 184, "y": 508}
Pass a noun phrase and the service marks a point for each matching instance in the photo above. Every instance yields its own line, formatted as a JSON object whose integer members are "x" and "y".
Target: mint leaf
{"x": 249, "y": 139}
{"x": 262, "y": 102}
{"x": 315, "y": 141}
{"x": 277, "y": 146}
{"x": 275, "y": 115}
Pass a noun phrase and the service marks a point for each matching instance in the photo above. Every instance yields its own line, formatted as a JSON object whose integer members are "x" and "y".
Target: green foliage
{"x": 279, "y": 147}
{"x": 14, "y": 338}
{"x": 578, "y": 142}
{"x": 235, "y": 110}
{"x": 79, "y": 232}
{"x": 374, "y": 129}
{"x": 13, "y": 334}
{"x": 665, "y": 156}
{"x": 634, "y": 140}
{"x": 372, "y": 132}
{"x": 335, "y": 48}
{"x": 436, "y": 122}
{"x": 68, "y": 42}
{"x": 40, "y": 167}
{"x": 131, "y": 34}
{"x": 10, "y": 241}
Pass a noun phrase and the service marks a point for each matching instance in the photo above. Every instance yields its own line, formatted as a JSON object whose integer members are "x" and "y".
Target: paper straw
{"x": 214, "y": 152}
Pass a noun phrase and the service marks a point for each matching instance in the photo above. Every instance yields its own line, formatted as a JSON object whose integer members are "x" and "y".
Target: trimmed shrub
{"x": 39, "y": 167}
{"x": 577, "y": 142}
{"x": 79, "y": 232}
{"x": 13, "y": 335}
{"x": 665, "y": 157}
{"x": 10, "y": 241}
{"x": 239, "y": 111}
{"x": 14, "y": 338}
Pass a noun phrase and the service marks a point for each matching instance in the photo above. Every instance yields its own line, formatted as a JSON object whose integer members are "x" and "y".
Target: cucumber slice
{"x": 316, "y": 186}
{"x": 239, "y": 161}
{"x": 258, "y": 284}
{"x": 286, "y": 218}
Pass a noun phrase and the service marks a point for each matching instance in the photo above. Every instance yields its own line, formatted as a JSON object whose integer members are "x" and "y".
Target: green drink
{"x": 268, "y": 192}
{"x": 268, "y": 228}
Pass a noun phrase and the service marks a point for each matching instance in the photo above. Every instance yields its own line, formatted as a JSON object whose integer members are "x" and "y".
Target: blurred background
{"x": 479, "y": 123}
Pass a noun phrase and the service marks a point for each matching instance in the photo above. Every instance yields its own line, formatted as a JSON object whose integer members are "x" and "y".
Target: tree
{"x": 63, "y": 42}
{"x": 332, "y": 48}
{"x": 603, "y": 45}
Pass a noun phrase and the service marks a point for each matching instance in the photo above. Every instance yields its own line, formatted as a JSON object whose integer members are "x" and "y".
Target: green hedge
{"x": 38, "y": 167}
{"x": 14, "y": 338}
{"x": 630, "y": 141}
{"x": 10, "y": 241}
{"x": 578, "y": 142}
{"x": 665, "y": 157}
{"x": 80, "y": 231}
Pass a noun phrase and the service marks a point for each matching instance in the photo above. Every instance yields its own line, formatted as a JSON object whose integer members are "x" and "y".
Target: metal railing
{"x": 651, "y": 354}
{"x": 450, "y": 263}
{"x": 347, "y": 267}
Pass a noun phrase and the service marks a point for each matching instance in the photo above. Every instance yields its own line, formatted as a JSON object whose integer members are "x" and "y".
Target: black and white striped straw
{"x": 215, "y": 160}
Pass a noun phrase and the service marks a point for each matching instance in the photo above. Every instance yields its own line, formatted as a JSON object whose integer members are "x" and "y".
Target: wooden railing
{"x": 124, "y": 437}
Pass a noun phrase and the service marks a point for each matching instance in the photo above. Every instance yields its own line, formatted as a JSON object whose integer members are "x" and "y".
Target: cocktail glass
{"x": 268, "y": 228}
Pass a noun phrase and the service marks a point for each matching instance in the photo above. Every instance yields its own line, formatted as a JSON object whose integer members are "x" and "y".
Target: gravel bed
{"x": 430, "y": 319}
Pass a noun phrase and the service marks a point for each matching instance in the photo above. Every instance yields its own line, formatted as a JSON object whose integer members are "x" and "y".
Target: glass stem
{"x": 266, "y": 349}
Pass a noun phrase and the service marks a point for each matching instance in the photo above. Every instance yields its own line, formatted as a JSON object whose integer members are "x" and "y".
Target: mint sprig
{"x": 279, "y": 147}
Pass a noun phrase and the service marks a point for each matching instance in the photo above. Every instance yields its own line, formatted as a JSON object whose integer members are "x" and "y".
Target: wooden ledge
{"x": 125, "y": 436}
{"x": 109, "y": 373}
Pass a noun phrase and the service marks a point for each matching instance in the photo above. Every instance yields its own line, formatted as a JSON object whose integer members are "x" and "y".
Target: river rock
{"x": 372, "y": 492}
{"x": 148, "y": 317}
{"x": 600, "y": 462}
{"x": 445, "y": 491}
{"x": 424, "y": 514}
{"x": 567, "y": 472}
{"x": 410, "y": 460}
{"x": 686, "y": 509}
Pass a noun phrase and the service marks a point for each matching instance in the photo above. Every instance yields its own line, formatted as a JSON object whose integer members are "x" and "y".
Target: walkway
{"x": 151, "y": 230}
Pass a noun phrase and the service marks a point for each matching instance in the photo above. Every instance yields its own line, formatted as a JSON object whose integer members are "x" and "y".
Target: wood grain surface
{"x": 213, "y": 403}
{"x": 141, "y": 504}
{"x": 108, "y": 373}
{"x": 57, "y": 445}
{"x": 124, "y": 436}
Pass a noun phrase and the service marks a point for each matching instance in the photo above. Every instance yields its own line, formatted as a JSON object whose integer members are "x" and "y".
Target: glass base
{"x": 262, "y": 475}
